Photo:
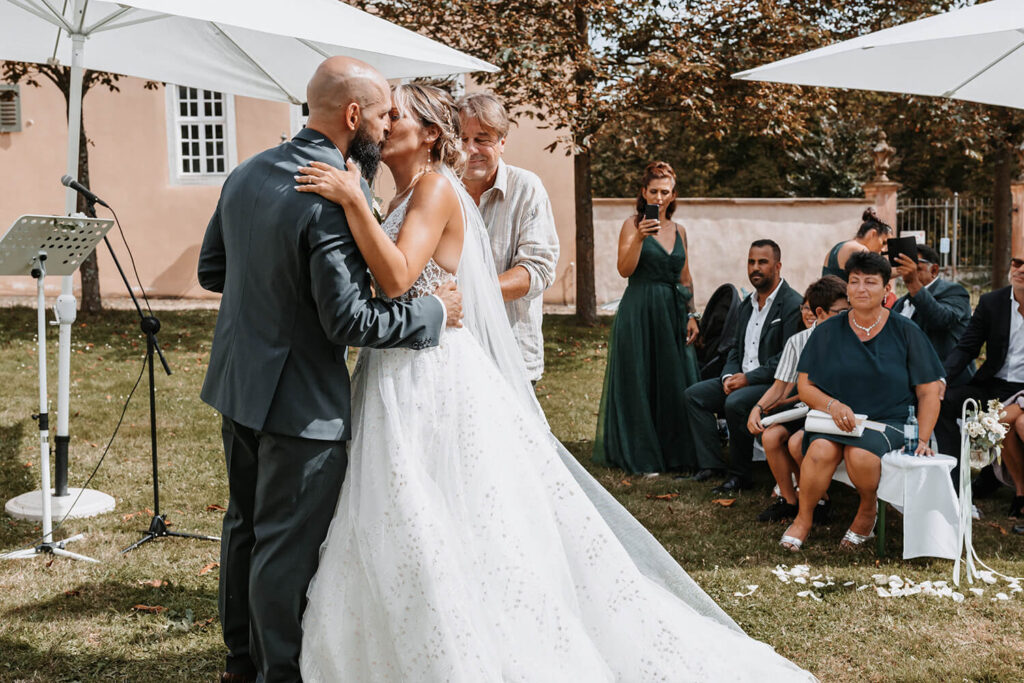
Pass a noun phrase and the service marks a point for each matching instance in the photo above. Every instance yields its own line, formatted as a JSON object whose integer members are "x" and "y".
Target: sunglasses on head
{"x": 1016, "y": 263}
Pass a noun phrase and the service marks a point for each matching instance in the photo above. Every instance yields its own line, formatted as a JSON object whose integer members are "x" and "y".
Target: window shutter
{"x": 10, "y": 108}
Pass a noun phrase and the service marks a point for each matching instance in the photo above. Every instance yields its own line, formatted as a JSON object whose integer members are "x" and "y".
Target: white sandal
{"x": 852, "y": 539}
{"x": 791, "y": 543}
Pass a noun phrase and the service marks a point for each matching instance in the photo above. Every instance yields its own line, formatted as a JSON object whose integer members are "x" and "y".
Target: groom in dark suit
{"x": 768, "y": 317}
{"x": 296, "y": 293}
{"x": 940, "y": 308}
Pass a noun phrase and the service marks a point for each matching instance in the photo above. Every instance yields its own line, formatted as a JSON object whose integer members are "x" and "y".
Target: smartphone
{"x": 651, "y": 212}
{"x": 901, "y": 245}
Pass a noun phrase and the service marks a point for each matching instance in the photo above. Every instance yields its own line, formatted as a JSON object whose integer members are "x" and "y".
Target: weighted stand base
{"x": 158, "y": 529}
{"x": 29, "y": 505}
{"x": 52, "y": 548}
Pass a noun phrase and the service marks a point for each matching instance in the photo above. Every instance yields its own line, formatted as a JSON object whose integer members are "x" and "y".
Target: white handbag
{"x": 820, "y": 422}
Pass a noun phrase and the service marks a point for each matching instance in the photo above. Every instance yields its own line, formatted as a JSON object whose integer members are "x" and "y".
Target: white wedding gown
{"x": 464, "y": 550}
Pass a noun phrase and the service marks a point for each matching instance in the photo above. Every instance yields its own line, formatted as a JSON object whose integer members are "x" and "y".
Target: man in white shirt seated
{"x": 519, "y": 219}
{"x": 782, "y": 442}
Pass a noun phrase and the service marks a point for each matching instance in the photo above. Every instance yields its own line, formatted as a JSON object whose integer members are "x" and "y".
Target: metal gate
{"x": 960, "y": 228}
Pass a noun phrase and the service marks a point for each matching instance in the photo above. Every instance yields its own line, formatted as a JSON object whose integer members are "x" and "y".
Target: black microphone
{"x": 68, "y": 181}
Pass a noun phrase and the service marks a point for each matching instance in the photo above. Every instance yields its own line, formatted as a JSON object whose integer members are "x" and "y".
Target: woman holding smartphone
{"x": 642, "y": 424}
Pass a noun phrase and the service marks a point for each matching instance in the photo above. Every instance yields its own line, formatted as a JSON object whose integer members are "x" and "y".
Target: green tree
{"x": 31, "y": 74}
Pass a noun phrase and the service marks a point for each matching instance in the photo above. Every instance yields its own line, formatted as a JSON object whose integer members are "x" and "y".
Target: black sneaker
{"x": 823, "y": 511}
{"x": 778, "y": 511}
{"x": 1016, "y": 508}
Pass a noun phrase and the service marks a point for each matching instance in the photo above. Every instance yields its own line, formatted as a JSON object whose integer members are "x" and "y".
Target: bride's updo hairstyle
{"x": 434, "y": 107}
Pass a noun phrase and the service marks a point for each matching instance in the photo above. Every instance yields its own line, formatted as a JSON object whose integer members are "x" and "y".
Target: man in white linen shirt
{"x": 518, "y": 216}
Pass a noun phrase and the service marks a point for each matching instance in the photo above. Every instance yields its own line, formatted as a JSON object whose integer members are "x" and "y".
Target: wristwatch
{"x": 694, "y": 316}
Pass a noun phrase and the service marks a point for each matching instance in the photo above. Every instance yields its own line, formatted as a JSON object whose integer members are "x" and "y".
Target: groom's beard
{"x": 365, "y": 152}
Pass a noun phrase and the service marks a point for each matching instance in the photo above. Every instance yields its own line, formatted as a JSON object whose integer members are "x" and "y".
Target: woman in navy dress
{"x": 869, "y": 362}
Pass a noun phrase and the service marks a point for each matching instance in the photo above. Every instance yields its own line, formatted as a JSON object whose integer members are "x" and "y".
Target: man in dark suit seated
{"x": 998, "y": 325}
{"x": 939, "y": 307}
{"x": 768, "y": 317}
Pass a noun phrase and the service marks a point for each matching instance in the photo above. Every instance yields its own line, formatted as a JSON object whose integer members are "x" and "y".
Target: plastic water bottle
{"x": 910, "y": 432}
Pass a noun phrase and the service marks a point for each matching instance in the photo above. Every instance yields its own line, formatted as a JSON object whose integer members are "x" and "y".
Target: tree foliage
{"x": 33, "y": 75}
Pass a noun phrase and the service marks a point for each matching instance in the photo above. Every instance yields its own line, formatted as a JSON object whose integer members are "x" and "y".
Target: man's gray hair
{"x": 488, "y": 109}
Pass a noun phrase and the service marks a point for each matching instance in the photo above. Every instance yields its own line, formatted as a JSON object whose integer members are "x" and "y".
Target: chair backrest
{"x": 717, "y": 330}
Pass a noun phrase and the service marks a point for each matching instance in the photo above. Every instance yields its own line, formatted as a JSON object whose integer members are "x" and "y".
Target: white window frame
{"x": 175, "y": 174}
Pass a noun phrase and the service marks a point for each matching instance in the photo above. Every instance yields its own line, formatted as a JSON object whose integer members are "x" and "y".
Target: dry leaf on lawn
{"x": 663, "y": 496}
{"x": 724, "y": 502}
{"x": 995, "y": 525}
{"x": 209, "y": 568}
{"x": 152, "y": 609}
{"x": 216, "y": 508}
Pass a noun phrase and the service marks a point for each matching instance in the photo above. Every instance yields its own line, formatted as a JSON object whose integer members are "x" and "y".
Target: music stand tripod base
{"x": 158, "y": 529}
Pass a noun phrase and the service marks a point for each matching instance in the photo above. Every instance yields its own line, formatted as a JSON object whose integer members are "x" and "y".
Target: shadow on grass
{"x": 24, "y": 662}
{"x": 15, "y": 478}
{"x": 89, "y": 599}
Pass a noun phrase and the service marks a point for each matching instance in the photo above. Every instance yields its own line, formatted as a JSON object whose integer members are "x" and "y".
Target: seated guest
{"x": 998, "y": 326}
{"x": 826, "y": 297}
{"x": 870, "y": 237}
{"x": 1013, "y": 455}
{"x": 940, "y": 308}
{"x": 772, "y": 317}
{"x": 872, "y": 362}
{"x": 642, "y": 424}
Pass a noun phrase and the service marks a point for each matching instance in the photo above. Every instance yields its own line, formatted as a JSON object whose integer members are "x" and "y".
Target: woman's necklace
{"x": 865, "y": 330}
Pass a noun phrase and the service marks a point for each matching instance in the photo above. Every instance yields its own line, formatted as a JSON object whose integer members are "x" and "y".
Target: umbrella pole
{"x": 66, "y": 308}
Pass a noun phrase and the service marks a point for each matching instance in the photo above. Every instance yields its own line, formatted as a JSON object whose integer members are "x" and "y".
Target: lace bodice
{"x": 432, "y": 276}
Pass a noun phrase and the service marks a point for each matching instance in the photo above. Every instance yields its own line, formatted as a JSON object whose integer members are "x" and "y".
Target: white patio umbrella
{"x": 975, "y": 54}
{"x": 265, "y": 49}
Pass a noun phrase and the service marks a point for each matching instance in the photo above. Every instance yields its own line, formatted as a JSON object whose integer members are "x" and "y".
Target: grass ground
{"x": 69, "y": 621}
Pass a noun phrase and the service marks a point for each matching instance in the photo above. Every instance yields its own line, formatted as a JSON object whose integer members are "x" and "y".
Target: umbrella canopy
{"x": 266, "y": 49}
{"x": 975, "y": 54}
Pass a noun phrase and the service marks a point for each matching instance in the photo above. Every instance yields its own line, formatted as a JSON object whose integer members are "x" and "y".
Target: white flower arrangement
{"x": 986, "y": 433}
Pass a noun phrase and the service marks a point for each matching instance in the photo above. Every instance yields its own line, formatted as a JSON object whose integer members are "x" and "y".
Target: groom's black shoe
{"x": 706, "y": 474}
{"x": 237, "y": 678}
{"x": 733, "y": 484}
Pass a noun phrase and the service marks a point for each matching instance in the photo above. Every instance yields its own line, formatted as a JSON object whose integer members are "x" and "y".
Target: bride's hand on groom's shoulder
{"x": 451, "y": 297}
{"x": 341, "y": 186}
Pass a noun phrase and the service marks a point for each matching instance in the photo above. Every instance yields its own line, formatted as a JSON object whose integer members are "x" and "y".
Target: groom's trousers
{"x": 283, "y": 492}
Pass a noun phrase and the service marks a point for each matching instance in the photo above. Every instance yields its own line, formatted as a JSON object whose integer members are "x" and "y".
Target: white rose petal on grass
{"x": 958, "y": 597}
{"x": 1002, "y": 596}
{"x": 880, "y": 579}
{"x": 819, "y": 584}
{"x": 860, "y": 588}
{"x": 977, "y": 591}
{"x": 882, "y": 593}
{"x": 800, "y": 579}
{"x": 848, "y": 583}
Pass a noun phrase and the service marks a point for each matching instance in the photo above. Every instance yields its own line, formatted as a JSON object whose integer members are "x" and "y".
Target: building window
{"x": 202, "y": 135}
{"x": 10, "y": 108}
{"x": 298, "y": 114}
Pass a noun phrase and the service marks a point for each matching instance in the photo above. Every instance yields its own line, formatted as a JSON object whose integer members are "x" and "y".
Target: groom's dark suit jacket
{"x": 942, "y": 311}
{"x": 296, "y": 292}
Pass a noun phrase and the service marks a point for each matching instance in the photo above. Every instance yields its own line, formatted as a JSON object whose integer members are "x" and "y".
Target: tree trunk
{"x": 586, "y": 294}
{"x": 89, "y": 270}
{"x": 1002, "y": 208}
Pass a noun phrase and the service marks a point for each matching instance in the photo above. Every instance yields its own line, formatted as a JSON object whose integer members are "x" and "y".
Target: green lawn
{"x": 69, "y": 621}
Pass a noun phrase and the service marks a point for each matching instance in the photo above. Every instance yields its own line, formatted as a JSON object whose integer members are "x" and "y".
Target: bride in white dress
{"x": 468, "y": 545}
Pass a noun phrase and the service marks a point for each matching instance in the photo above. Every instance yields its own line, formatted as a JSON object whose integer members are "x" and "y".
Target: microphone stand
{"x": 150, "y": 325}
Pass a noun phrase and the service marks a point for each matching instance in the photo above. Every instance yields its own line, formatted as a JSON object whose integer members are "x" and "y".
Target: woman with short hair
{"x": 868, "y": 362}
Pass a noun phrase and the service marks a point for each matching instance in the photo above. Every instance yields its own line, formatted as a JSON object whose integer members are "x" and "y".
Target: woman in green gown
{"x": 642, "y": 423}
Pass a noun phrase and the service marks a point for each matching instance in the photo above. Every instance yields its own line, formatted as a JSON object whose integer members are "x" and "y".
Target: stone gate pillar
{"x": 1017, "y": 201}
